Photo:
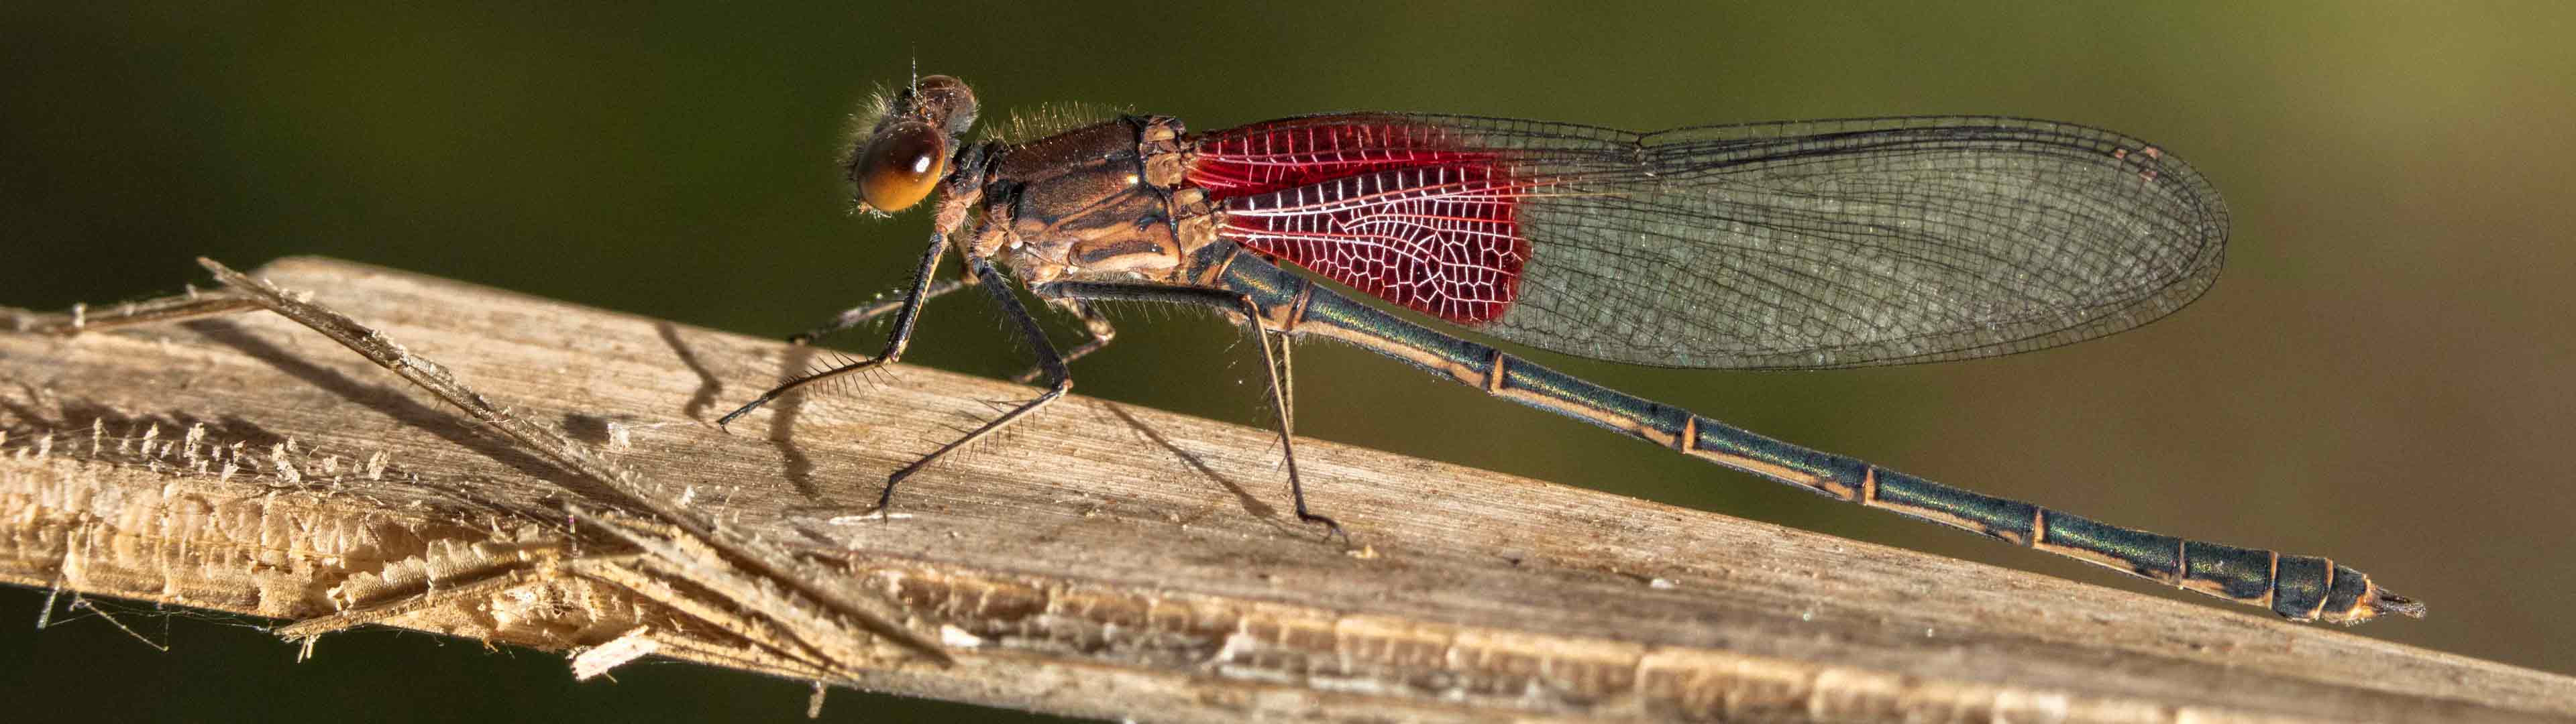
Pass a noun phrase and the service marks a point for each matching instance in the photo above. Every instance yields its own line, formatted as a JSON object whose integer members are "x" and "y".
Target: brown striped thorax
{"x": 1098, "y": 203}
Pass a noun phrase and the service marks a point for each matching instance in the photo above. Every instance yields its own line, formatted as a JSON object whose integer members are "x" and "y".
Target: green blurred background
{"x": 2381, "y": 376}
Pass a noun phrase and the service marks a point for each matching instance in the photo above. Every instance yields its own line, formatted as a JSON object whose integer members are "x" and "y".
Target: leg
{"x": 865, "y": 313}
{"x": 1277, "y": 367}
{"x": 1058, "y": 378}
{"x": 1092, "y": 322}
{"x": 875, "y": 308}
{"x": 896, "y": 340}
{"x": 1274, "y": 365}
{"x": 1287, "y": 386}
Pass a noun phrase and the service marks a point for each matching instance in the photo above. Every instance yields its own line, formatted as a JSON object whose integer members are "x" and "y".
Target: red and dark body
{"x": 1800, "y": 245}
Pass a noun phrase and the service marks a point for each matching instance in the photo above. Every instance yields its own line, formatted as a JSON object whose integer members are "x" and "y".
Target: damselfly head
{"x": 905, "y": 152}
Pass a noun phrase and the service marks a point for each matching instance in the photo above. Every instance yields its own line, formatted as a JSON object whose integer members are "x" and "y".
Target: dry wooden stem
{"x": 1117, "y": 563}
{"x": 771, "y": 566}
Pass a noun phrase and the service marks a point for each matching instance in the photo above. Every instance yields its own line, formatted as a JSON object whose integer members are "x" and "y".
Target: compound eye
{"x": 900, "y": 166}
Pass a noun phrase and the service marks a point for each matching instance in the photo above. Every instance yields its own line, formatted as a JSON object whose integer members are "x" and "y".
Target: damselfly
{"x": 1797, "y": 245}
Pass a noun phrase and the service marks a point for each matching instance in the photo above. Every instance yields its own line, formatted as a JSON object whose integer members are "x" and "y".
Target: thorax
{"x": 1103, "y": 202}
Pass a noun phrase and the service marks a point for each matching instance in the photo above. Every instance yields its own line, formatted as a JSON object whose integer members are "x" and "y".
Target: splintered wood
{"x": 562, "y": 490}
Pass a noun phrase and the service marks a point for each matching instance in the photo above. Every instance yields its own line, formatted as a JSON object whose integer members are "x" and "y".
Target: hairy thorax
{"x": 1098, "y": 203}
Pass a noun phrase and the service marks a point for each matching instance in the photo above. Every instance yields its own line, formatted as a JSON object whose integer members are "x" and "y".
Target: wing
{"x": 1804, "y": 244}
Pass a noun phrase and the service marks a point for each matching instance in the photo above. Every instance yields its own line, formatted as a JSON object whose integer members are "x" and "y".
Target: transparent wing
{"x": 1817, "y": 244}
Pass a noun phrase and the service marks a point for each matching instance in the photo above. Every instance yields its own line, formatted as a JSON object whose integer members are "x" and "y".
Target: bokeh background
{"x": 2381, "y": 376}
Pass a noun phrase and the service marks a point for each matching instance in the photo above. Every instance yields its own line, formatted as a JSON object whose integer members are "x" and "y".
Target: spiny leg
{"x": 896, "y": 340}
{"x": 865, "y": 313}
{"x": 868, "y": 312}
{"x": 1092, "y": 322}
{"x": 1059, "y": 380}
{"x": 1287, "y": 384}
{"x": 1275, "y": 366}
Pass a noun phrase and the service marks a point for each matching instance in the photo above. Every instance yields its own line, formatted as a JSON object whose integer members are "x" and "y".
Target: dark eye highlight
{"x": 899, "y": 166}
